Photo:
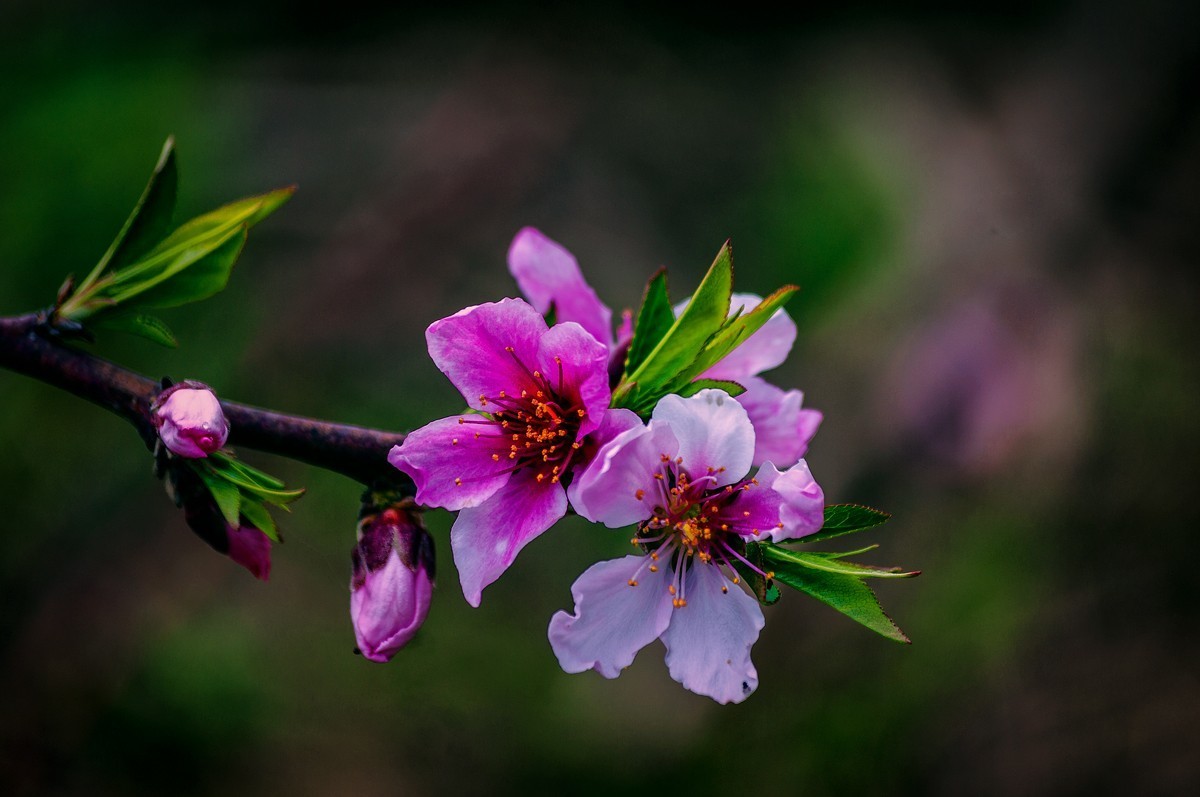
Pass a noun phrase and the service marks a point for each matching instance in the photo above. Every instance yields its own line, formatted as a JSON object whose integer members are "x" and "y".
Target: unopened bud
{"x": 189, "y": 420}
{"x": 392, "y": 584}
{"x": 245, "y": 544}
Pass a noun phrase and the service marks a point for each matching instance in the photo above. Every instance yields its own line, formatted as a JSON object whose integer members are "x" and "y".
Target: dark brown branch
{"x": 360, "y": 453}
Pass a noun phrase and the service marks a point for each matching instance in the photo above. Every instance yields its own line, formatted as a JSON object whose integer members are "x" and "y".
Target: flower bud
{"x": 392, "y": 582}
{"x": 245, "y": 544}
{"x": 189, "y": 420}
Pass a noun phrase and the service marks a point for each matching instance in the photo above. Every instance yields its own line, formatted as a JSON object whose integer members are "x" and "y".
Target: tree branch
{"x": 27, "y": 346}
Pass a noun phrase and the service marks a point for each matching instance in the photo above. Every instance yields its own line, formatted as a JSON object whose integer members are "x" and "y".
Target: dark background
{"x": 994, "y": 218}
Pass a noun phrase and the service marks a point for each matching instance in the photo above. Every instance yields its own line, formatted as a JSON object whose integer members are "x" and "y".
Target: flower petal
{"x": 451, "y": 465}
{"x": 612, "y": 619}
{"x": 765, "y": 349}
{"x": 713, "y": 431}
{"x": 471, "y": 348}
{"x": 782, "y": 429}
{"x": 618, "y": 487}
{"x": 580, "y": 373}
{"x": 709, "y": 639}
{"x": 549, "y": 275}
{"x": 389, "y": 607}
{"x": 486, "y": 538}
{"x": 803, "y": 501}
{"x": 250, "y": 548}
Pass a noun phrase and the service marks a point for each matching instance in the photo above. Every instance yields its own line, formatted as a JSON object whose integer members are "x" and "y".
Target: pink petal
{"x": 389, "y": 608}
{"x": 549, "y": 275}
{"x": 471, "y": 348}
{"x": 709, "y": 640}
{"x": 618, "y": 487}
{"x": 612, "y": 619}
{"x": 582, "y": 374}
{"x": 713, "y": 431}
{"x": 803, "y": 509}
{"x": 486, "y": 538}
{"x": 782, "y": 428}
{"x": 451, "y": 467}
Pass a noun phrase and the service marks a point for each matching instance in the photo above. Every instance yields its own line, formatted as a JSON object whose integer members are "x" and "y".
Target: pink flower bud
{"x": 392, "y": 583}
{"x": 190, "y": 421}
{"x": 250, "y": 548}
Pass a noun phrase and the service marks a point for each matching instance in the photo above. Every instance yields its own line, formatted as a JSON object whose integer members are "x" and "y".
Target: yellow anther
{"x": 640, "y": 494}
{"x": 541, "y": 476}
{"x": 724, "y": 590}
{"x": 537, "y": 374}
{"x": 483, "y": 399}
{"x": 508, "y": 348}
{"x": 457, "y": 482}
{"x": 671, "y": 589}
{"x": 746, "y": 513}
{"x": 632, "y": 583}
{"x": 454, "y": 441}
{"x": 495, "y": 457}
{"x": 653, "y": 568}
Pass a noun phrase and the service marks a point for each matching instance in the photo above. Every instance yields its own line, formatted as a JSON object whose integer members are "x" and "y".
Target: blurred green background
{"x": 994, "y": 218}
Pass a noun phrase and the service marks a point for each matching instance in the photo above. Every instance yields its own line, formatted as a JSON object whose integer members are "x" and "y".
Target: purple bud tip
{"x": 190, "y": 420}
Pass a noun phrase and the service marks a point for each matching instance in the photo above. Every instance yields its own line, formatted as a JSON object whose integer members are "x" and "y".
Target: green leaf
{"x": 146, "y": 326}
{"x": 654, "y": 320}
{"x": 849, "y": 595}
{"x": 830, "y": 563}
{"x": 259, "y": 516}
{"x": 226, "y": 495}
{"x": 740, "y": 327}
{"x": 150, "y": 218}
{"x": 679, "y": 347}
{"x": 692, "y": 388}
{"x": 846, "y": 519}
{"x": 254, "y": 482}
{"x": 201, "y": 279}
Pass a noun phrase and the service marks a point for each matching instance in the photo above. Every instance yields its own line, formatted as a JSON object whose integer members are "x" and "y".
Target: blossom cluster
{"x": 559, "y": 415}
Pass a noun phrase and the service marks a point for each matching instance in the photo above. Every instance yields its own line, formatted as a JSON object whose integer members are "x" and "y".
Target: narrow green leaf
{"x": 146, "y": 326}
{"x": 654, "y": 319}
{"x": 846, "y": 519}
{"x": 150, "y": 218}
{"x": 849, "y": 595}
{"x": 257, "y": 515}
{"x": 201, "y": 279}
{"x": 680, "y": 346}
{"x": 777, "y": 557}
{"x": 692, "y": 388}
{"x": 226, "y": 495}
{"x": 250, "y": 474}
{"x": 190, "y": 243}
{"x": 737, "y": 330}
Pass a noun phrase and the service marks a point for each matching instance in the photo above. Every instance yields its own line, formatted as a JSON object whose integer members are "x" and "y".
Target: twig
{"x": 27, "y": 347}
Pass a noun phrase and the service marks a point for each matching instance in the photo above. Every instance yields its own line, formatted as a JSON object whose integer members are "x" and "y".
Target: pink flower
{"x": 392, "y": 583}
{"x": 682, "y": 480}
{"x": 189, "y": 420}
{"x": 549, "y": 276}
{"x": 540, "y": 398}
